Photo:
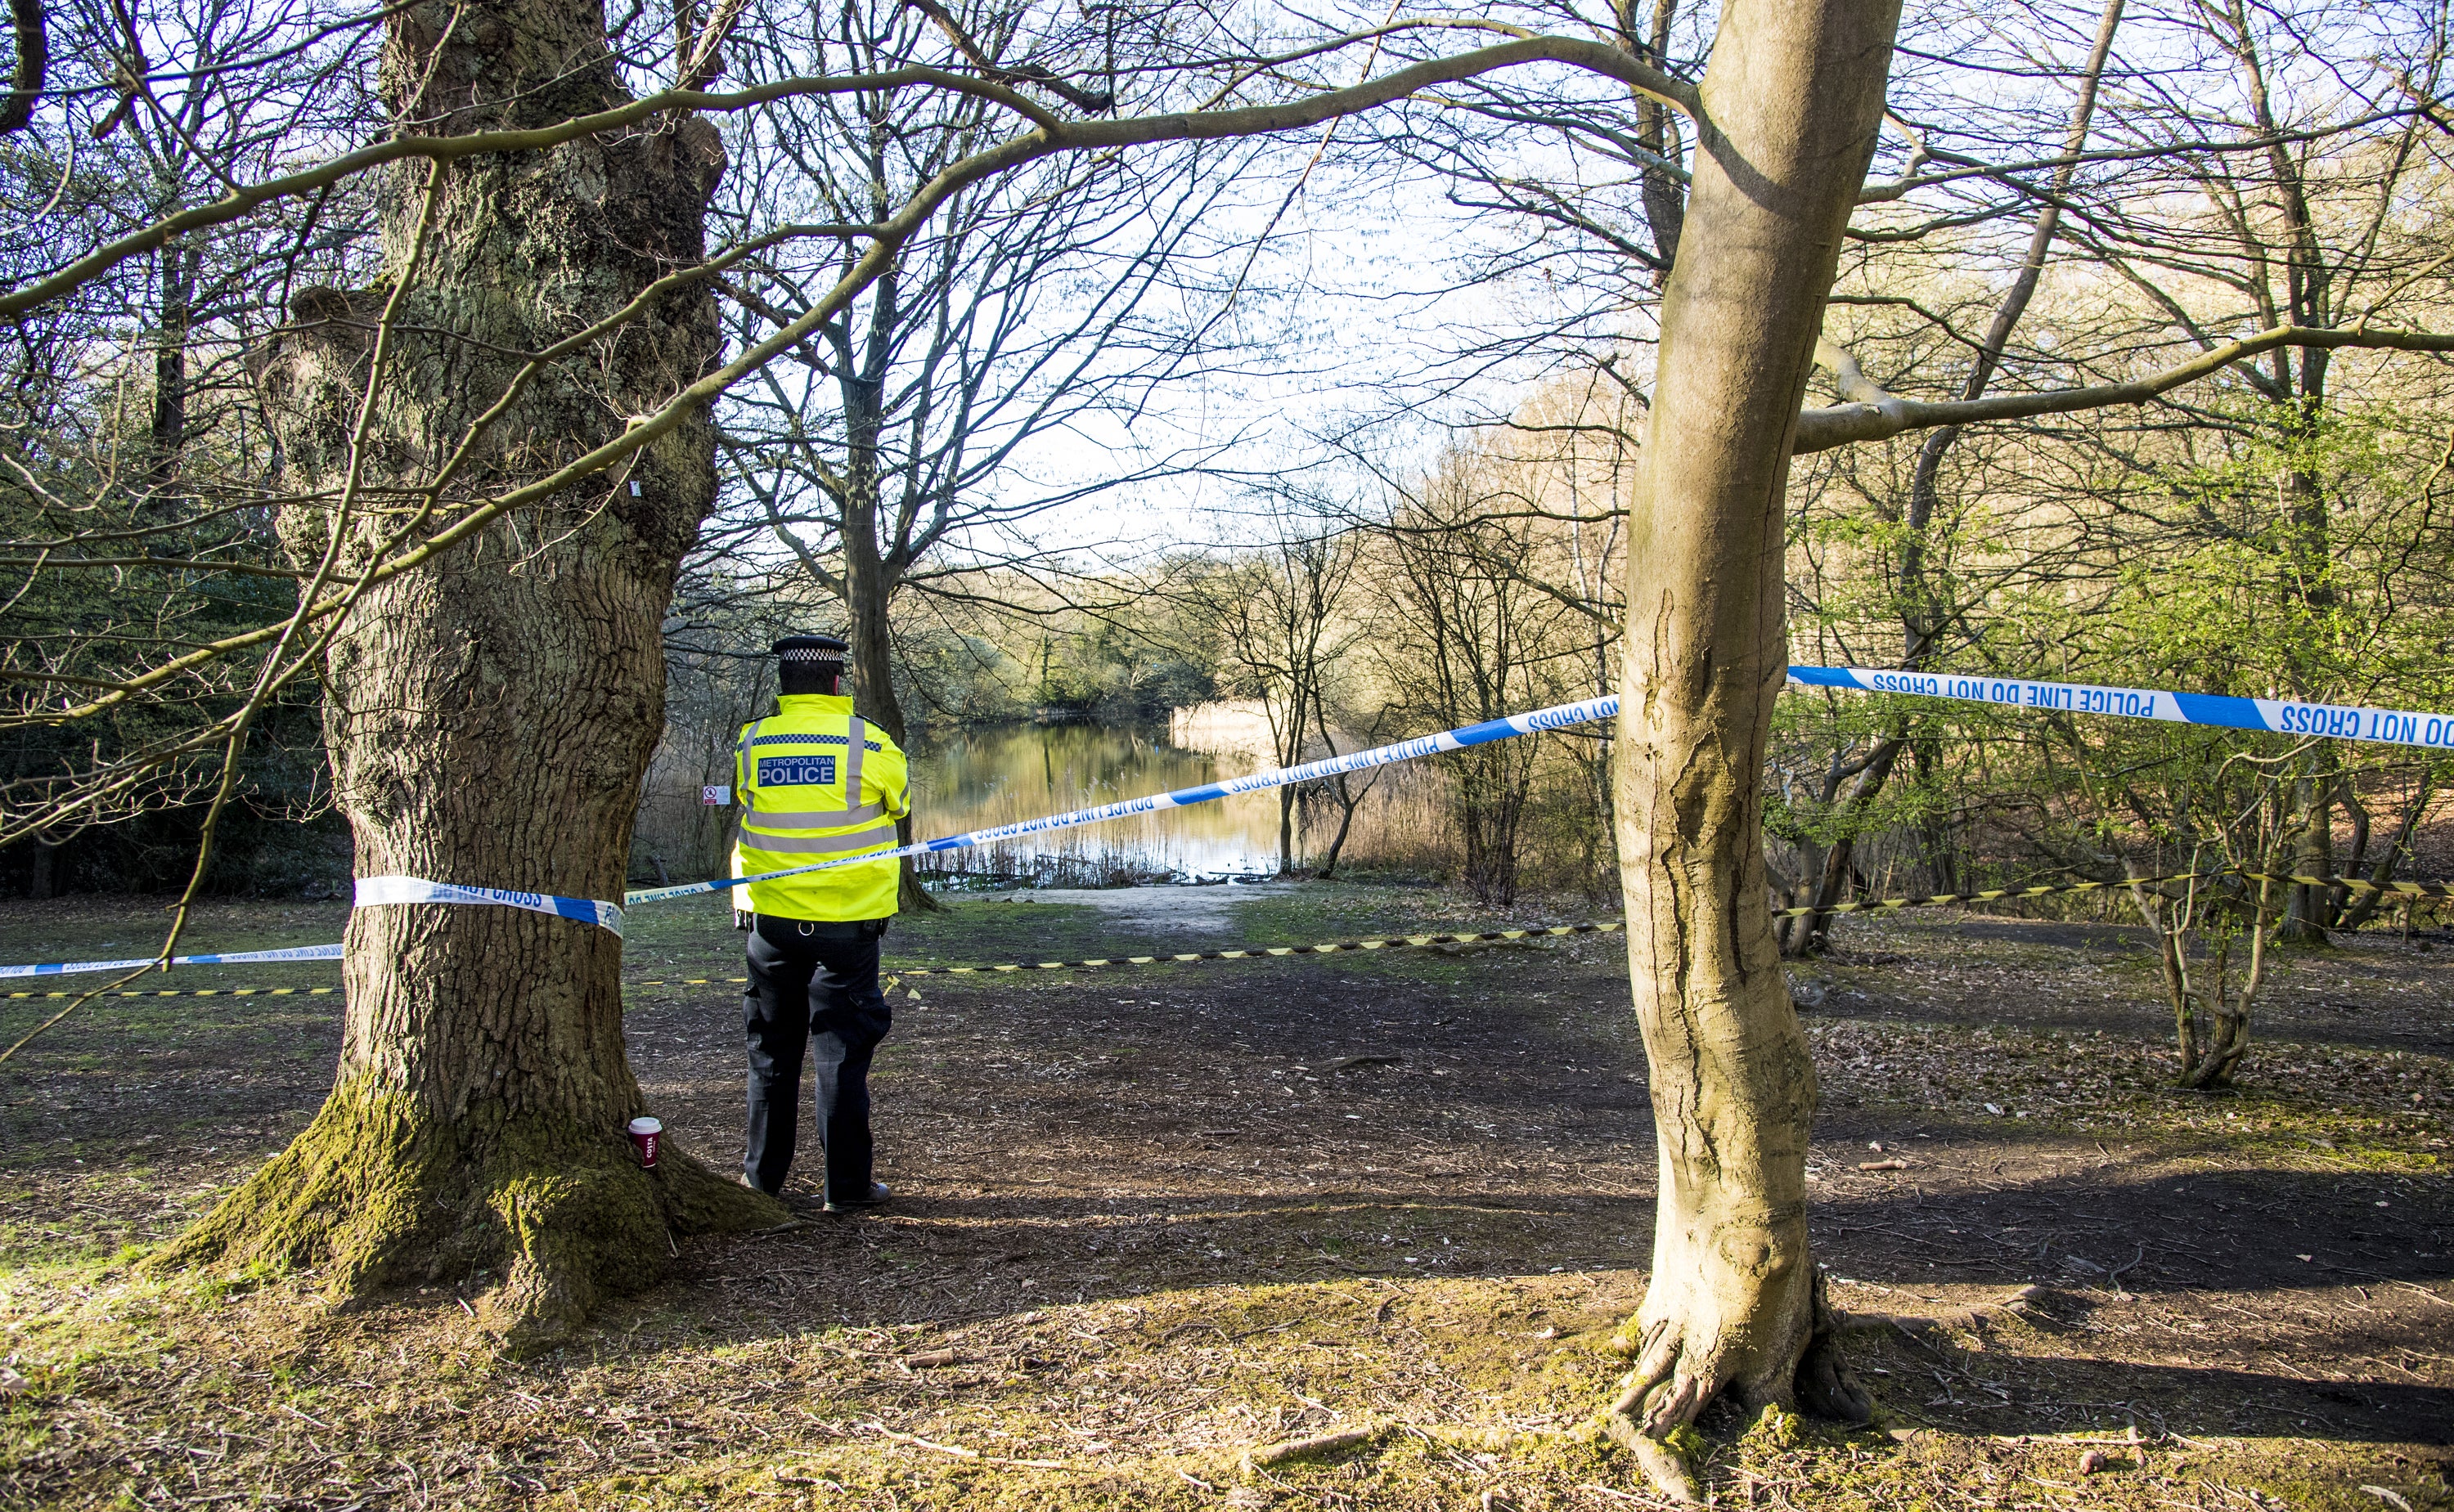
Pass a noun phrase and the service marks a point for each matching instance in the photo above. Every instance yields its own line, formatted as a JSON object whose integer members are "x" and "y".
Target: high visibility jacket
{"x": 815, "y": 781}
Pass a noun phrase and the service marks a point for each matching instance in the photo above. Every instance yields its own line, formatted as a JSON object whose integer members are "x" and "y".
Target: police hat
{"x": 805, "y": 648}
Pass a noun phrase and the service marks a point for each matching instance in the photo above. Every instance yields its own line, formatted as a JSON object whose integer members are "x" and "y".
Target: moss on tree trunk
{"x": 490, "y": 717}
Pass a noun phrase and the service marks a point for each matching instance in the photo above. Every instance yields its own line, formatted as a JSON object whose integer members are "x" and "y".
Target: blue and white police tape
{"x": 236, "y": 958}
{"x": 2281, "y": 716}
{"x": 375, "y": 890}
{"x": 1557, "y": 717}
{"x": 371, "y": 892}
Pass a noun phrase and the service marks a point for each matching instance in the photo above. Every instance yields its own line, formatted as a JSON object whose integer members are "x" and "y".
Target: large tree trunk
{"x": 489, "y": 718}
{"x": 1794, "y": 92}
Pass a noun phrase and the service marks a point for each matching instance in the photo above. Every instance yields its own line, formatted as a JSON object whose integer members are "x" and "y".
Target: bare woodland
{"x": 437, "y": 384}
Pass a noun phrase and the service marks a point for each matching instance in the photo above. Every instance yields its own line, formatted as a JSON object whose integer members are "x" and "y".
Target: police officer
{"x": 815, "y": 781}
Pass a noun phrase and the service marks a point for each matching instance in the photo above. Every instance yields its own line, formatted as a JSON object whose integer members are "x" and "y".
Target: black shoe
{"x": 876, "y": 1198}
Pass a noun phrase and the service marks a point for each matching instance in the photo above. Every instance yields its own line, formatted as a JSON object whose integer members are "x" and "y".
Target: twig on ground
{"x": 961, "y": 1453}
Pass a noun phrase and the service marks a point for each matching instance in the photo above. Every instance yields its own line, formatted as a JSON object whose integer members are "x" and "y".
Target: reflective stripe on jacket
{"x": 813, "y": 782}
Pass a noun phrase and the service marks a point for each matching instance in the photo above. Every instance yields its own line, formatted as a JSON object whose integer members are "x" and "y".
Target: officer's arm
{"x": 889, "y": 772}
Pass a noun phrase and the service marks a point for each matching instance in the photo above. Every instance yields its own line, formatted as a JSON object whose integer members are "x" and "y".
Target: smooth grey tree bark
{"x": 1794, "y": 97}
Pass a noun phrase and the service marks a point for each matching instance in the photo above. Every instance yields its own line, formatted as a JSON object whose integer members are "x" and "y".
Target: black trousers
{"x": 813, "y": 994}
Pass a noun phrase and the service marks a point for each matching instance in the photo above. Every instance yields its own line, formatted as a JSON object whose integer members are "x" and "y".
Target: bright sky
{"x": 1353, "y": 312}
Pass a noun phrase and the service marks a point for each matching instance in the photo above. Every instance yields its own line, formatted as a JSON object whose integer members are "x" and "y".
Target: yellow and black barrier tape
{"x": 2406, "y": 889}
{"x": 2439, "y": 890}
{"x": 2417, "y": 889}
{"x": 1255, "y": 954}
{"x": 1258, "y": 952}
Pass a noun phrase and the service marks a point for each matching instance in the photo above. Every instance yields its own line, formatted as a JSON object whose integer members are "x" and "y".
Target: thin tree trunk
{"x": 2227, "y": 1038}
{"x": 1797, "y": 934}
{"x": 1287, "y": 743}
{"x": 1658, "y": 132}
{"x": 1925, "y": 754}
{"x": 868, "y": 595}
{"x": 2172, "y": 955}
{"x": 1785, "y": 892}
{"x": 2366, "y": 906}
{"x": 1925, "y": 610}
{"x": 1840, "y": 861}
{"x": 178, "y": 264}
{"x": 2361, "y": 824}
{"x": 1925, "y": 623}
{"x": 1347, "y": 799}
{"x": 2309, "y": 907}
{"x": 1801, "y": 935}
{"x": 489, "y": 718}
{"x": 1491, "y": 786}
{"x": 2308, "y": 567}
{"x": 1794, "y": 92}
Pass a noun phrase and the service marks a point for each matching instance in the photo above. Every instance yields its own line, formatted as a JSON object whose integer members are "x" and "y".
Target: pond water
{"x": 972, "y": 779}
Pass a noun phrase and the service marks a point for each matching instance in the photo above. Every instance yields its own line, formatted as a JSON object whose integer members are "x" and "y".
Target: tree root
{"x": 1668, "y": 1469}
{"x": 381, "y": 1193}
{"x": 1662, "y": 1395}
{"x": 1673, "y": 1380}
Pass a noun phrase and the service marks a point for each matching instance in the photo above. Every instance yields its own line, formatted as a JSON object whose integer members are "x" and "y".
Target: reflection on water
{"x": 972, "y": 779}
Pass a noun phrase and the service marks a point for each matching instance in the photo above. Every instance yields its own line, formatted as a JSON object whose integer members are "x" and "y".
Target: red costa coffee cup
{"x": 644, "y": 1132}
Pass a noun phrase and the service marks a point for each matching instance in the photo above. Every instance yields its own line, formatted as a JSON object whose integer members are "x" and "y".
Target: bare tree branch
{"x": 1875, "y": 418}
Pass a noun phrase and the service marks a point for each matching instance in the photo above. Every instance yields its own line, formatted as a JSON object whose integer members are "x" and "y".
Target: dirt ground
{"x": 1149, "y": 1219}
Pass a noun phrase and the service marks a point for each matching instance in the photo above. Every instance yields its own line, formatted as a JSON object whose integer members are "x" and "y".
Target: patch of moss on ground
{"x": 1332, "y": 910}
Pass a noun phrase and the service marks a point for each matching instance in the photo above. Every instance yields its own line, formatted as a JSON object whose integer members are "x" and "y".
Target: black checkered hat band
{"x": 812, "y": 653}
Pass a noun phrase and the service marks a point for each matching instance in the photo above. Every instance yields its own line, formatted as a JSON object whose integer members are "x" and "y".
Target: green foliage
{"x": 102, "y": 624}
{"x": 2287, "y": 551}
